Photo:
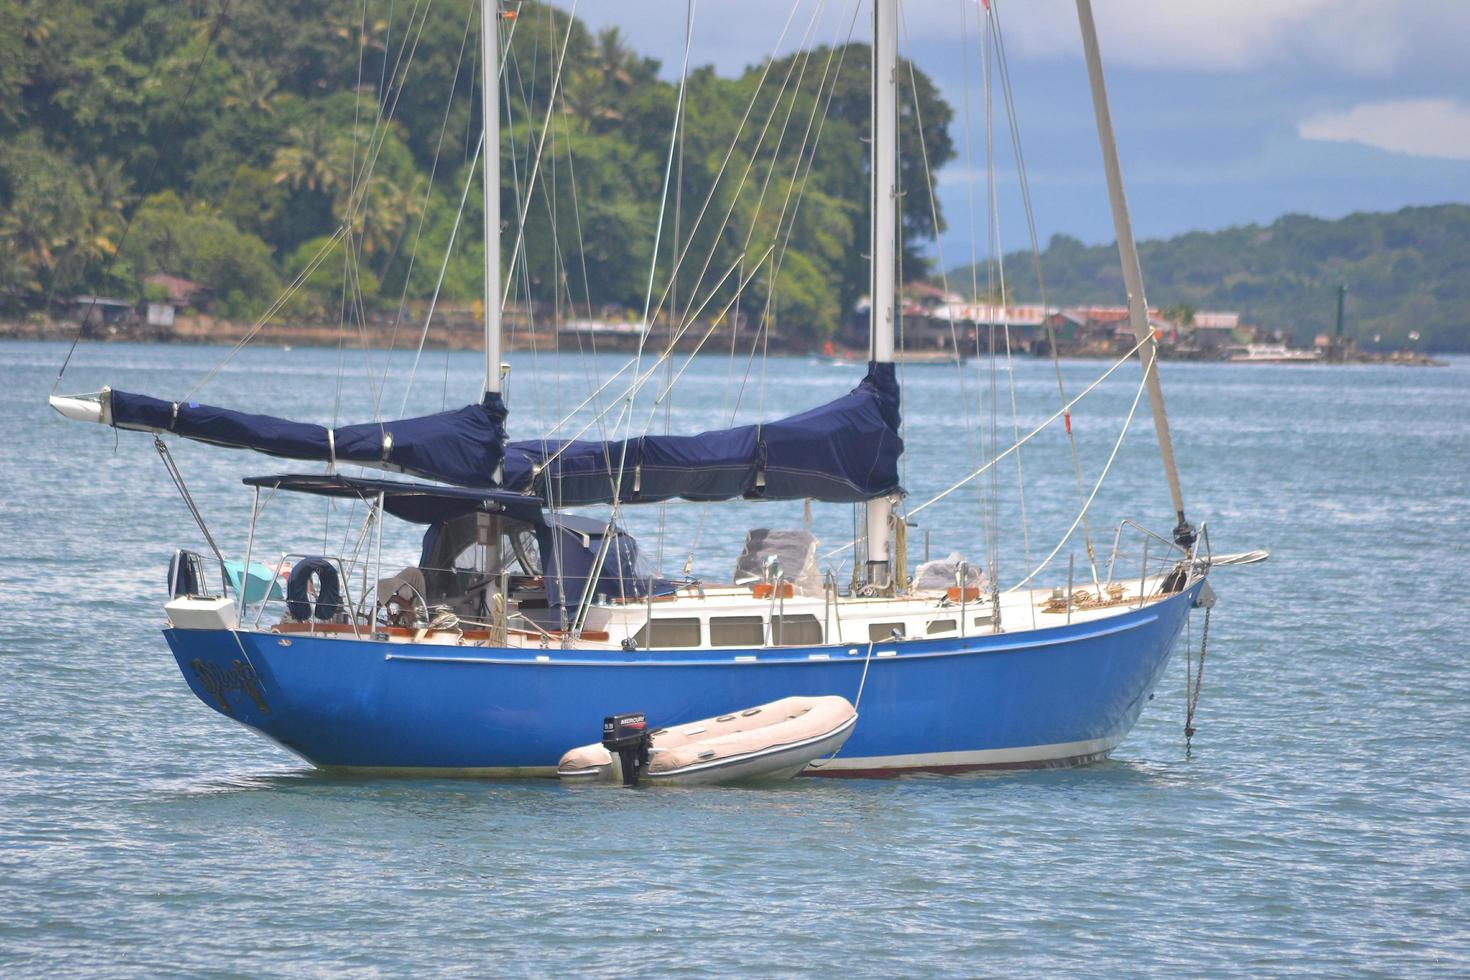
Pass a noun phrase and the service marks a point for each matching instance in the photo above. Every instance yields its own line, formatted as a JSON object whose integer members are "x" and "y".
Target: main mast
{"x": 881, "y": 312}
{"x": 490, "y": 156}
{"x": 1132, "y": 271}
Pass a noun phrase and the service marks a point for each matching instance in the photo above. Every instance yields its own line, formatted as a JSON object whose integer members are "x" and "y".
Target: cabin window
{"x": 736, "y": 631}
{"x": 879, "y": 632}
{"x": 668, "y": 634}
{"x": 796, "y": 630}
{"x": 941, "y": 626}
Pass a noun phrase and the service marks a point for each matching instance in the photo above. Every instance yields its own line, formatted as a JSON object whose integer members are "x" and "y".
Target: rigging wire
{"x": 987, "y": 71}
{"x": 590, "y": 373}
{"x": 673, "y": 275}
{"x": 990, "y": 464}
{"x": 954, "y": 340}
{"x": 419, "y": 229}
{"x": 518, "y": 252}
{"x": 779, "y": 243}
{"x": 640, "y": 379}
{"x": 997, "y": 249}
{"x": 709, "y": 198}
{"x": 1024, "y": 183}
{"x": 363, "y": 180}
{"x": 799, "y": 179}
{"x": 385, "y": 116}
{"x": 766, "y": 182}
{"x": 977, "y": 437}
{"x": 1107, "y": 467}
{"x": 347, "y": 253}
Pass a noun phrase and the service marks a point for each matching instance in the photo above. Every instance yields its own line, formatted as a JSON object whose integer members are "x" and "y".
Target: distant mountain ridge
{"x": 1408, "y": 270}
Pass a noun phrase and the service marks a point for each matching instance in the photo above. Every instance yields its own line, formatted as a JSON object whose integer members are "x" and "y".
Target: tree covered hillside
{"x": 234, "y": 134}
{"x": 1405, "y": 271}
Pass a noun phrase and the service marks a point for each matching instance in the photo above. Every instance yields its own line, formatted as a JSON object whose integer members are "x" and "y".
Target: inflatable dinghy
{"x": 767, "y": 742}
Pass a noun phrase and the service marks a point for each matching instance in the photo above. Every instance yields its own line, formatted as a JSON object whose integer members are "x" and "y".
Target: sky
{"x": 1227, "y": 112}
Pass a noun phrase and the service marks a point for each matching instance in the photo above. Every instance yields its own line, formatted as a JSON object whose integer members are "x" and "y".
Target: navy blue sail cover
{"x": 464, "y": 446}
{"x": 846, "y": 450}
{"x": 569, "y": 553}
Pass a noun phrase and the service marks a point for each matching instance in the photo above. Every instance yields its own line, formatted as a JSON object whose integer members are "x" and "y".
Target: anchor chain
{"x": 1194, "y": 678}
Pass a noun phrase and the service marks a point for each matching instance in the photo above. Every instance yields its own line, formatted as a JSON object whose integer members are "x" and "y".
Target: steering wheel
{"x": 396, "y": 610}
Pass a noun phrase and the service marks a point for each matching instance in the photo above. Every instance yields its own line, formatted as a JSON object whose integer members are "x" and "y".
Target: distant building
{"x": 168, "y": 294}
{"x": 932, "y": 316}
{"x": 1216, "y": 331}
{"x": 100, "y": 310}
{"x": 179, "y": 292}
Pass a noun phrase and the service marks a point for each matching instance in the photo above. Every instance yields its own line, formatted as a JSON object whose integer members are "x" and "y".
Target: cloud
{"x": 1365, "y": 38}
{"x": 1437, "y": 128}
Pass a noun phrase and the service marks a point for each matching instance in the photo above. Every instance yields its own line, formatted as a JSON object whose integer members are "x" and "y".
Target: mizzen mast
{"x": 490, "y": 156}
{"x": 1132, "y": 270}
{"x": 881, "y": 312}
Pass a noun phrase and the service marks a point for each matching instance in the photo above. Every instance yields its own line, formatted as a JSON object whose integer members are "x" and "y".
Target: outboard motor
{"x": 185, "y": 574}
{"x": 627, "y": 735}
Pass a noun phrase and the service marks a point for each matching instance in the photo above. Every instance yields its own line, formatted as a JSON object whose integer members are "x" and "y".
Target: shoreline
{"x": 461, "y": 335}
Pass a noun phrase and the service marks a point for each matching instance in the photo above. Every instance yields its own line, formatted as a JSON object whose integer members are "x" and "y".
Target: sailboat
{"x": 523, "y": 624}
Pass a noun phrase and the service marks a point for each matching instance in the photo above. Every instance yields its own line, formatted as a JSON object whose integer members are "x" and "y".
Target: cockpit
{"x": 488, "y": 559}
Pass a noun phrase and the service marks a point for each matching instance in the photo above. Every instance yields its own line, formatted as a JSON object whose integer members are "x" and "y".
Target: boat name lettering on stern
{"x": 219, "y": 681}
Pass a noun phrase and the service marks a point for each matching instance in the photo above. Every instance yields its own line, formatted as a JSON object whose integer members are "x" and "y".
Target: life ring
{"x": 328, "y": 590}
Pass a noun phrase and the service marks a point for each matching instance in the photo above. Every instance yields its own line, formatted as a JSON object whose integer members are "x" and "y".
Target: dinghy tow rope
{"x": 856, "y": 704}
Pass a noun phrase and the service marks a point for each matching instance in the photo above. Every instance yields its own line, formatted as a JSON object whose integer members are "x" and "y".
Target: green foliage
{"x": 59, "y": 223}
{"x": 1405, "y": 272}
{"x": 195, "y": 244}
{"x": 324, "y": 262}
{"x": 257, "y": 136}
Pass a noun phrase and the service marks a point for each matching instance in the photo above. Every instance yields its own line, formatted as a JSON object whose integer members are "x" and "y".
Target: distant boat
{"x": 1272, "y": 354}
{"x": 937, "y": 355}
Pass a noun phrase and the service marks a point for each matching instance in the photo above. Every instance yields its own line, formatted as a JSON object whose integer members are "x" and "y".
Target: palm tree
{"x": 314, "y": 159}
{"x": 98, "y": 231}
{"x": 600, "y": 86}
{"x": 252, "y": 89}
{"x": 18, "y": 282}
{"x": 375, "y": 221}
{"x": 37, "y": 232}
{"x": 395, "y": 207}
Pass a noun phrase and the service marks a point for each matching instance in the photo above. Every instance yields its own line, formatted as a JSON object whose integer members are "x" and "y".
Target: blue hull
{"x": 1056, "y": 696}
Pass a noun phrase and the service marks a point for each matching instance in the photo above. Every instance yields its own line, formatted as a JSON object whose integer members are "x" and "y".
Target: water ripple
{"x": 1317, "y": 827}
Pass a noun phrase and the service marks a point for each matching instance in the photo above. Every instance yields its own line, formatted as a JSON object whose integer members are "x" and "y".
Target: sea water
{"x": 1318, "y": 824}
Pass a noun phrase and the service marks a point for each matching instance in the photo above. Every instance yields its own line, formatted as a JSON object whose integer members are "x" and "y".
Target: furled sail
{"x": 464, "y": 446}
{"x": 846, "y": 450}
